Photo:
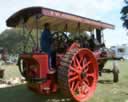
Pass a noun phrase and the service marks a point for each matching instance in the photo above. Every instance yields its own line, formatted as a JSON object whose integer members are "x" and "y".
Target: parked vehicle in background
{"x": 120, "y": 51}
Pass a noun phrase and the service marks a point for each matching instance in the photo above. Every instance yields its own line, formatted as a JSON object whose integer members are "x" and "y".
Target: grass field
{"x": 106, "y": 91}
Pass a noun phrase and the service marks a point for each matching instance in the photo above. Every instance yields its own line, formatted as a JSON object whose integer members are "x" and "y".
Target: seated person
{"x": 93, "y": 43}
{"x": 46, "y": 45}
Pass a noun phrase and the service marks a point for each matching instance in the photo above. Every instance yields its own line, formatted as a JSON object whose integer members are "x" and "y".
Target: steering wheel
{"x": 59, "y": 40}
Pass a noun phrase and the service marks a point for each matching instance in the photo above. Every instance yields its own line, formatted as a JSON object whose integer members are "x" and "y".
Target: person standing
{"x": 46, "y": 44}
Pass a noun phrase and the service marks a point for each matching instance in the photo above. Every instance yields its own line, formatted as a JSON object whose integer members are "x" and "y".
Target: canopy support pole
{"x": 78, "y": 27}
{"x": 37, "y": 32}
{"x": 24, "y": 47}
{"x": 66, "y": 28}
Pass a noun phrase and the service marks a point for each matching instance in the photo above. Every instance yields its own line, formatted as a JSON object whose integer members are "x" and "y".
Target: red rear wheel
{"x": 78, "y": 74}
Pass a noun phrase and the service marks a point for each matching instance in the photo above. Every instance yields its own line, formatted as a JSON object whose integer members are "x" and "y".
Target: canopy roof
{"x": 57, "y": 19}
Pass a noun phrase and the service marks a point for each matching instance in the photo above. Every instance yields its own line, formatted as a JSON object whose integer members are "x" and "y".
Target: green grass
{"x": 106, "y": 91}
{"x": 113, "y": 92}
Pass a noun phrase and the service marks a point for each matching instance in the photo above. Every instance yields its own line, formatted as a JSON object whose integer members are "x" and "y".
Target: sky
{"x": 103, "y": 10}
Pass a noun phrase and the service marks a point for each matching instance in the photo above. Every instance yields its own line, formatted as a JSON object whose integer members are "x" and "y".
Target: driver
{"x": 46, "y": 44}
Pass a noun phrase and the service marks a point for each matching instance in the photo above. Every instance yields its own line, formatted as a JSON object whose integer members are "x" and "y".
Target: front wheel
{"x": 115, "y": 72}
{"x": 78, "y": 74}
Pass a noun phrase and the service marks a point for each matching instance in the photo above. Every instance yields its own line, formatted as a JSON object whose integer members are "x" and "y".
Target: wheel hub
{"x": 83, "y": 75}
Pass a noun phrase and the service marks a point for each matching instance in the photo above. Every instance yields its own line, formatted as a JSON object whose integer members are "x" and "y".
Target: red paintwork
{"x": 74, "y": 45}
{"x": 37, "y": 65}
{"x": 83, "y": 62}
{"x": 38, "y": 61}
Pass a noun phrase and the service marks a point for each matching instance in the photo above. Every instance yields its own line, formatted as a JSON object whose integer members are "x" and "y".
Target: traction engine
{"x": 77, "y": 61}
{"x": 76, "y": 71}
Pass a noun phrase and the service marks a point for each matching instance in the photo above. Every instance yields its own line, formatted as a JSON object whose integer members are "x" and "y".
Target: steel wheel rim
{"x": 82, "y": 75}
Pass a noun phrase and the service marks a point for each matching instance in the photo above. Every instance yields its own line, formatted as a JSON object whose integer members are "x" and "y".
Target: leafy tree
{"x": 15, "y": 41}
{"x": 124, "y": 13}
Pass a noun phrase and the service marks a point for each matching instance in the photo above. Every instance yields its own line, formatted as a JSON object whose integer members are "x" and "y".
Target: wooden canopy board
{"x": 57, "y": 19}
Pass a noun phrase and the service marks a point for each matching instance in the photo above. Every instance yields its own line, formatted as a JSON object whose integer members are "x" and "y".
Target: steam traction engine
{"x": 76, "y": 66}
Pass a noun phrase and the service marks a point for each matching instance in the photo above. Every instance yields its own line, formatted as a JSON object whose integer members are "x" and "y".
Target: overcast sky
{"x": 104, "y": 10}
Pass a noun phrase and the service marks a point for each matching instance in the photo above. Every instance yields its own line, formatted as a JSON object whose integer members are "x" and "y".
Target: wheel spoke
{"x": 86, "y": 64}
{"x": 79, "y": 89}
{"x": 83, "y": 88}
{"x": 72, "y": 85}
{"x": 74, "y": 64}
{"x": 86, "y": 81}
{"x": 76, "y": 86}
{"x": 81, "y": 59}
{"x": 74, "y": 70}
{"x": 71, "y": 74}
{"x": 86, "y": 88}
{"x": 77, "y": 61}
{"x": 73, "y": 78}
{"x": 86, "y": 69}
{"x": 90, "y": 75}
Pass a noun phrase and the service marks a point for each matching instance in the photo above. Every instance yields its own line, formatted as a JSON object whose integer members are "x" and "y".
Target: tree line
{"x": 15, "y": 41}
